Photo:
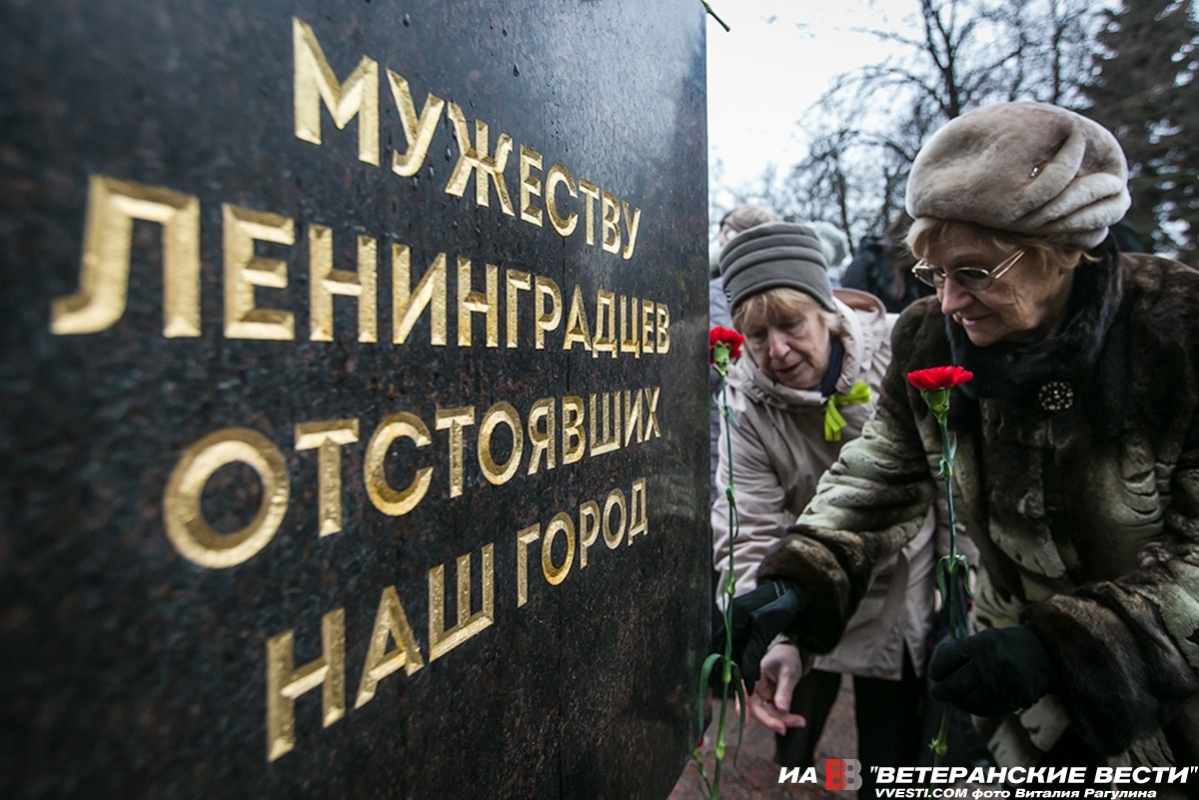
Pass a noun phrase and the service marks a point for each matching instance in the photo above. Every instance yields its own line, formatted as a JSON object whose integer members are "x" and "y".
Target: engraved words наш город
{"x": 622, "y": 325}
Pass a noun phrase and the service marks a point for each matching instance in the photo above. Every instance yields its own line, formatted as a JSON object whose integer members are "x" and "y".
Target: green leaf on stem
{"x": 705, "y": 790}
{"x": 741, "y": 698}
{"x": 704, "y": 674}
{"x": 723, "y": 24}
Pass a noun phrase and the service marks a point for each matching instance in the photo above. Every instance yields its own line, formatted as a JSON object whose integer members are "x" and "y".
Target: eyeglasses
{"x": 975, "y": 279}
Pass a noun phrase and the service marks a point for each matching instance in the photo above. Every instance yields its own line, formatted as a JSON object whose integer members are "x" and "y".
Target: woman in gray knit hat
{"x": 1077, "y": 466}
{"x": 806, "y": 385}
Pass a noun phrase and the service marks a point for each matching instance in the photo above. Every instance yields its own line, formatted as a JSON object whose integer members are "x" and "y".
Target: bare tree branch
{"x": 958, "y": 54}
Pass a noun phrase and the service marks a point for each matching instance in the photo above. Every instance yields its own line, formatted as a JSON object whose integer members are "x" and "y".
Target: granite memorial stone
{"x": 352, "y": 398}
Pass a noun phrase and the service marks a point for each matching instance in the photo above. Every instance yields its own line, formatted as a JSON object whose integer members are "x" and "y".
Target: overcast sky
{"x": 774, "y": 64}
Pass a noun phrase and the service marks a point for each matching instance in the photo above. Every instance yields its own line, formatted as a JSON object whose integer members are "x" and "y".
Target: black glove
{"x": 758, "y": 617}
{"x": 998, "y": 670}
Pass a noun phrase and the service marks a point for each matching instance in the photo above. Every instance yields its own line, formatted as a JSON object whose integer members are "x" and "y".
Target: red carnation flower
{"x": 934, "y": 378}
{"x": 729, "y": 338}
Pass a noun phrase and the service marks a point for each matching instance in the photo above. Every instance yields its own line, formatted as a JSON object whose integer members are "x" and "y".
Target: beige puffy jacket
{"x": 779, "y": 453}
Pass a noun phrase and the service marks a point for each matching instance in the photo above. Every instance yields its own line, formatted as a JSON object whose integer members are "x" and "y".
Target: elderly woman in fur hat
{"x": 807, "y": 383}
{"x": 1077, "y": 466}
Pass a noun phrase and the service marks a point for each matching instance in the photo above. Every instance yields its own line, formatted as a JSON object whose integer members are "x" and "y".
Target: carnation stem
{"x": 720, "y": 353}
{"x": 953, "y": 591}
{"x": 953, "y": 530}
{"x": 730, "y": 587}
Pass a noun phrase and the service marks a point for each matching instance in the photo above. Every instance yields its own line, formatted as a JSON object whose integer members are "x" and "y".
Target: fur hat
{"x": 772, "y": 255}
{"x": 1029, "y": 168}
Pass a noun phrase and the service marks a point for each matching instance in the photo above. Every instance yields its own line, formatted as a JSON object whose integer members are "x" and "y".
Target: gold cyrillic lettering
{"x": 546, "y": 321}
{"x": 574, "y": 443}
{"x": 589, "y": 525}
{"x": 184, "y": 521}
{"x": 478, "y": 303}
{"x": 615, "y": 500}
{"x": 628, "y": 324}
{"x": 542, "y": 439}
{"x": 554, "y": 575}
{"x": 455, "y": 419}
{"x": 632, "y": 416}
{"x": 499, "y": 474}
{"x": 524, "y": 538}
{"x": 593, "y": 193}
{"x": 530, "y": 185}
{"x": 324, "y": 282}
{"x": 663, "y": 345}
{"x": 112, "y": 206}
{"x": 647, "y": 326}
{"x": 515, "y": 282}
{"x": 418, "y": 132}
{"x": 314, "y": 81}
{"x": 651, "y": 421}
{"x": 244, "y": 271}
{"x": 390, "y": 623}
{"x": 610, "y": 217}
{"x": 609, "y": 410}
{"x": 285, "y": 682}
{"x": 638, "y": 513}
{"x": 631, "y": 227}
{"x": 564, "y": 226}
{"x": 442, "y": 641}
{"x": 391, "y": 501}
{"x": 407, "y": 306}
{"x": 474, "y": 158}
{"x": 327, "y": 438}
{"x": 602, "y": 341}
{"x": 576, "y": 323}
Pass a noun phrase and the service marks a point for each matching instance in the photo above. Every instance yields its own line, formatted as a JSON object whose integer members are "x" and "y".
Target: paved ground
{"x": 756, "y": 775}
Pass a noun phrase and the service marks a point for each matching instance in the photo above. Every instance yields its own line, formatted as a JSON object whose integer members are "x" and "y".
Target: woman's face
{"x": 792, "y": 351}
{"x": 1026, "y": 304}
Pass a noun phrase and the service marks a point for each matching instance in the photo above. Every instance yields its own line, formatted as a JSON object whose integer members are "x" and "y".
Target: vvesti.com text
{"x": 996, "y": 782}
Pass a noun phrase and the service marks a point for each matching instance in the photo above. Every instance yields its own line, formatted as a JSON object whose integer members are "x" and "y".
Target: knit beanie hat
{"x": 772, "y": 255}
{"x": 1029, "y": 168}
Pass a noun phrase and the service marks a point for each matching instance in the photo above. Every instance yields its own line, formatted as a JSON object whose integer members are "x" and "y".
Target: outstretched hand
{"x": 771, "y": 700}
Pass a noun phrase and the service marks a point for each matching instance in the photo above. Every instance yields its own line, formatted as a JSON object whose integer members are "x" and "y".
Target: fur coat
{"x": 1077, "y": 477}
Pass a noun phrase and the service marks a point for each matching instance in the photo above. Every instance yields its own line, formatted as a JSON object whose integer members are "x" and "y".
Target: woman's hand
{"x": 771, "y": 701}
{"x": 998, "y": 670}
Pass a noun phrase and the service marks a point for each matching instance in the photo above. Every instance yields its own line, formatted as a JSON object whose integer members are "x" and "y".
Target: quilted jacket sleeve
{"x": 868, "y": 505}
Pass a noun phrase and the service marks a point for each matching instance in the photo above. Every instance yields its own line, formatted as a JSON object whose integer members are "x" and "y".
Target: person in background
{"x": 883, "y": 267}
{"x": 835, "y": 246}
{"x": 1077, "y": 458}
{"x": 806, "y": 384}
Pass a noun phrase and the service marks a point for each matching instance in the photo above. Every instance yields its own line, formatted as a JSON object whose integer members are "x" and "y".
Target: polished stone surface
{"x": 128, "y": 670}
